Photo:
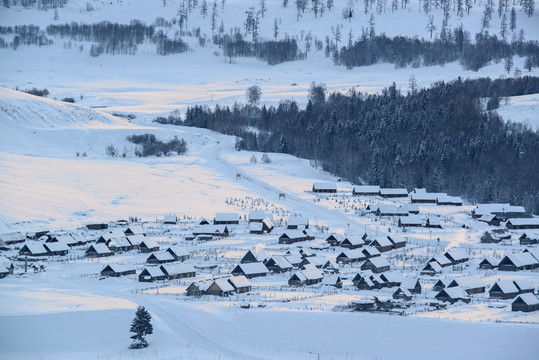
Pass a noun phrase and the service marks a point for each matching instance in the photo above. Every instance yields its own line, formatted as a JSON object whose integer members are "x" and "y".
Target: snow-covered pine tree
{"x": 140, "y": 327}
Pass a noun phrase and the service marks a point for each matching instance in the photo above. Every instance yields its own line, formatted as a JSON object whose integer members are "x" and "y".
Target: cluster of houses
{"x": 223, "y": 286}
{"x": 515, "y": 217}
{"x": 418, "y": 196}
{"x": 408, "y": 215}
{"x": 453, "y": 256}
{"x": 526, "y": 260}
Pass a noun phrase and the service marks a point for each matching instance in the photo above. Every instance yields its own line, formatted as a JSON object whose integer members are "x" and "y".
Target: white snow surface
{"x": 55, "y": 175}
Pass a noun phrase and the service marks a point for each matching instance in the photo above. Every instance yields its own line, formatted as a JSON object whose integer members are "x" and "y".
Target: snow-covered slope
{"x": 18, "y": 109}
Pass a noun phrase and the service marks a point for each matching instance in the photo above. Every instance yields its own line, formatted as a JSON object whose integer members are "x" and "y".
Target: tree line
{"x": 453, "y": 46}
{"x": 441, "y": 137}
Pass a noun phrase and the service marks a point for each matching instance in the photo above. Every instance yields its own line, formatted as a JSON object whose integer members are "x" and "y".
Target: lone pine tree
{"x": 141, "y": 326}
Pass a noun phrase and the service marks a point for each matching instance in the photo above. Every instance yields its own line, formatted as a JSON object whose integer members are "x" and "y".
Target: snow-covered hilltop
{"x": 157, "y": 83}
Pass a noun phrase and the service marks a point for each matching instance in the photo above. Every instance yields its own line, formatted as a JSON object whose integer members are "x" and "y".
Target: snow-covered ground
{"x": 158, "y": 84}
{"x": 521, "y": 109}
{"x": 55, "y": 175}
{"x": 69, "y": 312}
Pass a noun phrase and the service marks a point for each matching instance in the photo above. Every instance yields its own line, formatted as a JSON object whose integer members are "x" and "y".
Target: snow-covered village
{"x": 252, "y": 179}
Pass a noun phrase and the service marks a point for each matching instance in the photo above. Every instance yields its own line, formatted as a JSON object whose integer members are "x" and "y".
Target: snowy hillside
{"x": 153, "y": 83}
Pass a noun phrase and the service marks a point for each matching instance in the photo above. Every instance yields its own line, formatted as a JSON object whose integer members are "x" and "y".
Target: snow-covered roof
{"x": 331, "y": 280}
{"x": 404, "y": 290}
{"x": 383, "y": 241}
{"x": 223, "y": 284}
{"x": 311, "y": 272}
{"x": 470, "y": 282}
{"x": 177, "y": 268}
{"x": 396, "y": 238}
{"x": 457, "y": 254}
{"x": 482, "y": 209}
{"x": 367, "y": 189}
{"x": 56, "y": 246}
{"x": 136, "y": 240}
{"x": 119, "y": 268}
{"x": 209, "y": 229}
{"x": 227, "y": 217}
{"x": 392, "y": 276}
{"x": 254, "y": 268}
{"x": 392, "y": 209}
{"x": 411, "y": 220}
{"x": 442, "y": 260}
{"x": 354, "y": 240}
{"x": 316, "y": 260}
{"x": 379, "y": 261}
{"x": 149, "y": 243}
{"x": 354, "y": 254}
{"x": 506, "y": 286}
{"x": 524, "y": 284}
{"x": 154, "y": 271}
{"x": 449, "y": 199}
{"x": 239, "y": 281}
{"x": 370, "y": 250}
{"x": 528, "y": 299}
{"x": 293, "y": 234}
{"x": 425, "y": 196}
{"x": 178, "y": 250}
{"x": 434, "y": 220}
{"x": 325, "y": 186}
{"x": 533, "y": 252}
{"x": 100, "y": 248}
{"x": 393, "y": 192}
{"x": 282, "y": 262}
{"x": 435, "y": 266}
{"x": 119, "y": 242}
{"x": 13, "y": 236}
{"x": 162, "y": 256}
{"x": 293, "y": 258}
{"x": 256, "y": 226}
{"x": 455, "y": 292}
{"x": 35, "y": 248}
{"x": 521, "y": 259}
{"x": 66, "y": 239}
{"x": 135, "y": 229}
{"x": 524, "y": 221}
{"x": 487, "y": 217}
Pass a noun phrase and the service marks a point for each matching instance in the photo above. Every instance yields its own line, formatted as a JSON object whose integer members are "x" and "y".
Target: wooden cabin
{"x": 327, "y": 188}
{"x": 452, "y": 295}
{"x": 150, "y": 274}
{"x": 522, "y": 223}
{"x": 240, "y": 284}
{"x": 114, "y": 270}
{"x": 525, "y": 302}
{"x": 250, "y": 270}
{"x": 366, "y": 190}
{"x": 98, "y": 250}
{"x": 226, "y": 219}
{"x": 178, "y": 270}
{"x": 376, "y": 265}
{"x": 503, "y": 289}
{"x": 278, "y": 264}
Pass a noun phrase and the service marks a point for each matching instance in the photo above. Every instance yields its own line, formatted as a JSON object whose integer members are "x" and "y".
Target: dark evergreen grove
{"x": 441, "y": 137}
{"x": 452, "y": 46}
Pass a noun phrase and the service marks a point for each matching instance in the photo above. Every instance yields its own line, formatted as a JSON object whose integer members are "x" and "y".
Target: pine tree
{"x": 141, "y": 326}
{"x": 513, "y": 19}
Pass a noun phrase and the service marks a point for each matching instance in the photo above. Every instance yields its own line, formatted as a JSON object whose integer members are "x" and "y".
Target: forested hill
{"x": 441, "y": 137}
